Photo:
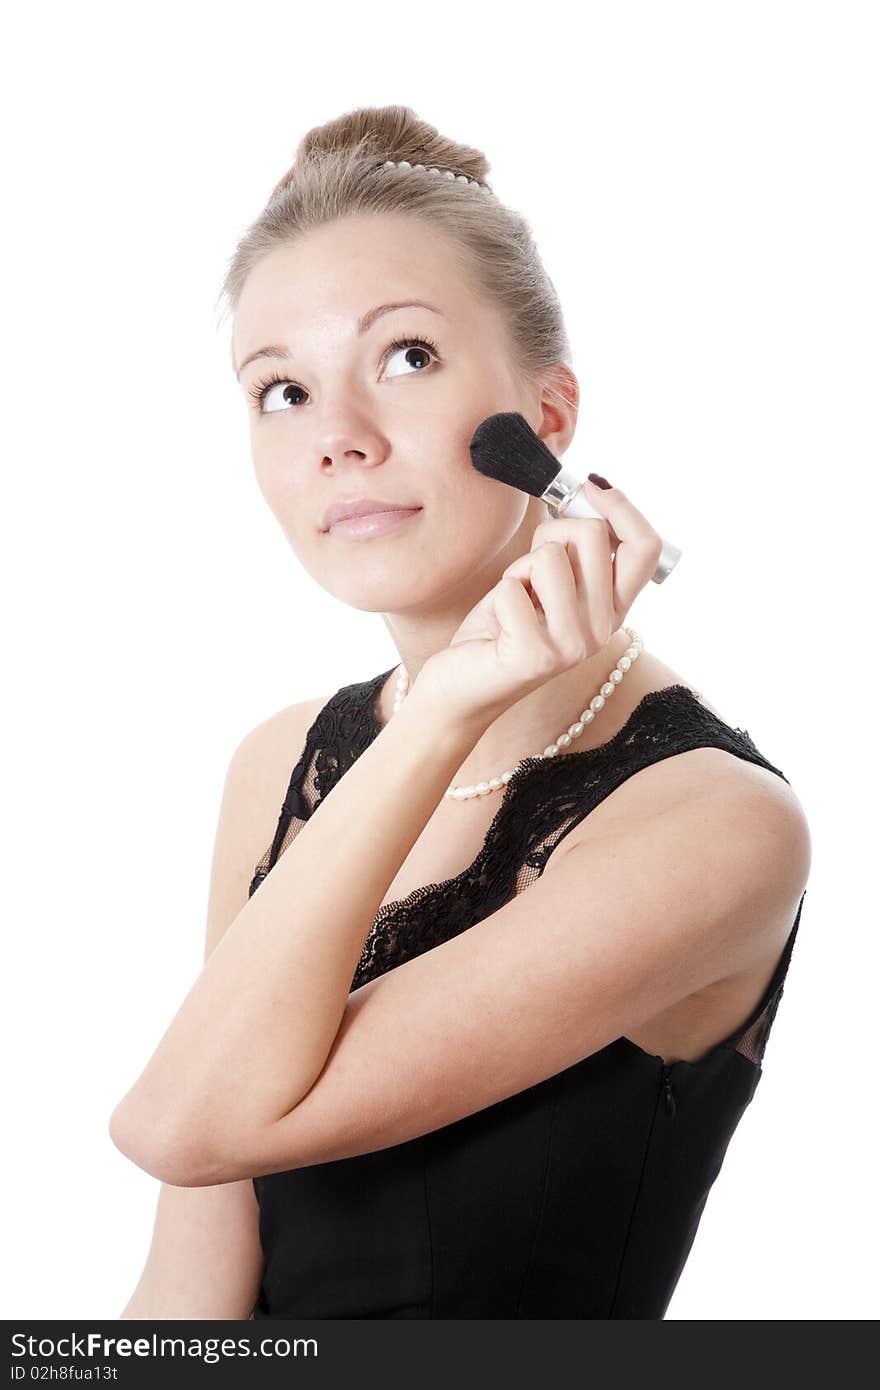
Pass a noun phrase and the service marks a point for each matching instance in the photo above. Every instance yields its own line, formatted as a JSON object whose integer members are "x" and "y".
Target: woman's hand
{"x": 551, "y": 609}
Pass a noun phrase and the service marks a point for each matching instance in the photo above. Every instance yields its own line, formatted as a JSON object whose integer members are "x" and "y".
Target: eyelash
{"x": 259, "y": 390}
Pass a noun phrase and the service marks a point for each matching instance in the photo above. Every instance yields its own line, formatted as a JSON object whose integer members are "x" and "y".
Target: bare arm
{"x": 205, "y": 1259}
{"x": 254, "y": 1032}
{"x": 285, "y": 1067}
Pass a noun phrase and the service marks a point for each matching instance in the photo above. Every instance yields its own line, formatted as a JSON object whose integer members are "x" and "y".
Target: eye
{"x": 413, "y": 348}
{"x": 261, "y": 390}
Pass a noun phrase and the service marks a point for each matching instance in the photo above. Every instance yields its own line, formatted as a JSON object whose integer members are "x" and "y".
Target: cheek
{"x": 501, "y": 508}
{"x": 480, "y": 518}
{"x": 281, "y": 486}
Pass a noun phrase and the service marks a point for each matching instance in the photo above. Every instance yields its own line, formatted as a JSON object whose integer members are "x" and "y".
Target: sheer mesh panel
{"x": 294, "y": 826}
{"x": 751, "y": 1039}
{"x": 289, "y": 825}
{"x": 752, "y": 1042}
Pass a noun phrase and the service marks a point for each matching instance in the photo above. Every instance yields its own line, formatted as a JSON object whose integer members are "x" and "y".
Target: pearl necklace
{"x": 574, "y": 731}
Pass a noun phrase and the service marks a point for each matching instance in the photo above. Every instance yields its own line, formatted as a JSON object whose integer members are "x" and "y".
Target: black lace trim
{"x": 542, "y": 802}
{"x": 336, "y": 739}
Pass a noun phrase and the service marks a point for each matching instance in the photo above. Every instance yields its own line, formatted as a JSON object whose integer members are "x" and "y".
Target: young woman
{"x": 471, "y": 1055}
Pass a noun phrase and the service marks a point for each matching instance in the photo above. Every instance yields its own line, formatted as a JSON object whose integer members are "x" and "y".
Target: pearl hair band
{"x": 563, "y": 740}
{"x": 432, "y": 169}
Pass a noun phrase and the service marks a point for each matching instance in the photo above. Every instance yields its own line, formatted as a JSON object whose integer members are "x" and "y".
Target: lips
{"x": 374, "y": 524}
{"x": 362, "y": 506}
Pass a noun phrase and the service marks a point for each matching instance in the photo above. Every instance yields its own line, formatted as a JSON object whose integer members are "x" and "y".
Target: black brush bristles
{"x": 506, "y": 448}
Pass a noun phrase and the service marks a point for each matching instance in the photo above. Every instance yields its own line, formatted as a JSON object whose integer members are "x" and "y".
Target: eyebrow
{"x": 365, "y": 322}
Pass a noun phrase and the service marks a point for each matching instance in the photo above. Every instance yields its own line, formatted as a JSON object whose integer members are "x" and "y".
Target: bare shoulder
{"x": 256, "y": 781}
{"x": 715, "y": 769}
{"x": 265, "y": 756}
{"x": 260, "y": 767}
{"x": 746, "y": 798}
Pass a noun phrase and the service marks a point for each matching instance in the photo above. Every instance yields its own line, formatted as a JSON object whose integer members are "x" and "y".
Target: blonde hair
{"x": 334, "y": 175}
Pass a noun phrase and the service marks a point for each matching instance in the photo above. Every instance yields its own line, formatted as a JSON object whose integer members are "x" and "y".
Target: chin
{"x": 404, "y": 586}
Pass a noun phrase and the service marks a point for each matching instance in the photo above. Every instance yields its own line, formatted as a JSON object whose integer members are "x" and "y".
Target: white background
{"x": 701, "y": 181}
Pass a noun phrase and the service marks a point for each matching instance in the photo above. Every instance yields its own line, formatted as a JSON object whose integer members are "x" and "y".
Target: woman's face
{"x": 352, "y": 416}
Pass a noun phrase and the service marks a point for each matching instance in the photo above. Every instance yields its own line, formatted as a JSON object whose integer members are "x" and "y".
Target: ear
{"x": 558, "y": 405}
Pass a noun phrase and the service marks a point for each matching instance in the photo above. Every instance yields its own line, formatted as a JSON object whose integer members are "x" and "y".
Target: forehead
{"x": 339, "y": 270}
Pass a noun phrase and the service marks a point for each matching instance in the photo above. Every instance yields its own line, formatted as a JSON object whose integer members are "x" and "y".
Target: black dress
{"x": 577, "y": 1198}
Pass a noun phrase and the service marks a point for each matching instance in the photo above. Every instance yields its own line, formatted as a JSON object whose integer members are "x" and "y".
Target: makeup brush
{"x": 506, "y": 448}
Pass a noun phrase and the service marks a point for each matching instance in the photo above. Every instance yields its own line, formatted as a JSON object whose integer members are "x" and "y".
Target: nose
{"x": 362, "y": 445}
{"x": 349, "y": 436}
{"x": 339, "y": 449}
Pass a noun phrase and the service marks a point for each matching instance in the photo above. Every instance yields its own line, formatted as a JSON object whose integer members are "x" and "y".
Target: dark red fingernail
{"x": 599, "y": 480}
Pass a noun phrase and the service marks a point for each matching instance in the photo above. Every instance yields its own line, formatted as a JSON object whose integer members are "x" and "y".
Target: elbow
{"x": 154, "y": 1147}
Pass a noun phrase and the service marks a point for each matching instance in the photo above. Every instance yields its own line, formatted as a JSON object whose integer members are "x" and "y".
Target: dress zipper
{"x": 668, "y": 1095}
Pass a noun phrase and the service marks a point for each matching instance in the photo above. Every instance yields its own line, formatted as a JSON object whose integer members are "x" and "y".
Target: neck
{"x": 527, "y": 727}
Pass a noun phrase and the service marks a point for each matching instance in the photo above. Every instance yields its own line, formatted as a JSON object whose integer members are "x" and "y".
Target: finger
{"x": 591, "y": 554}
{"x": 638, "y": 546}
{"x": 588, "y": 547}
{"x": 565, "y": 609}
{"x": 516, "y": 615}
{"x": 523, "y": 569}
